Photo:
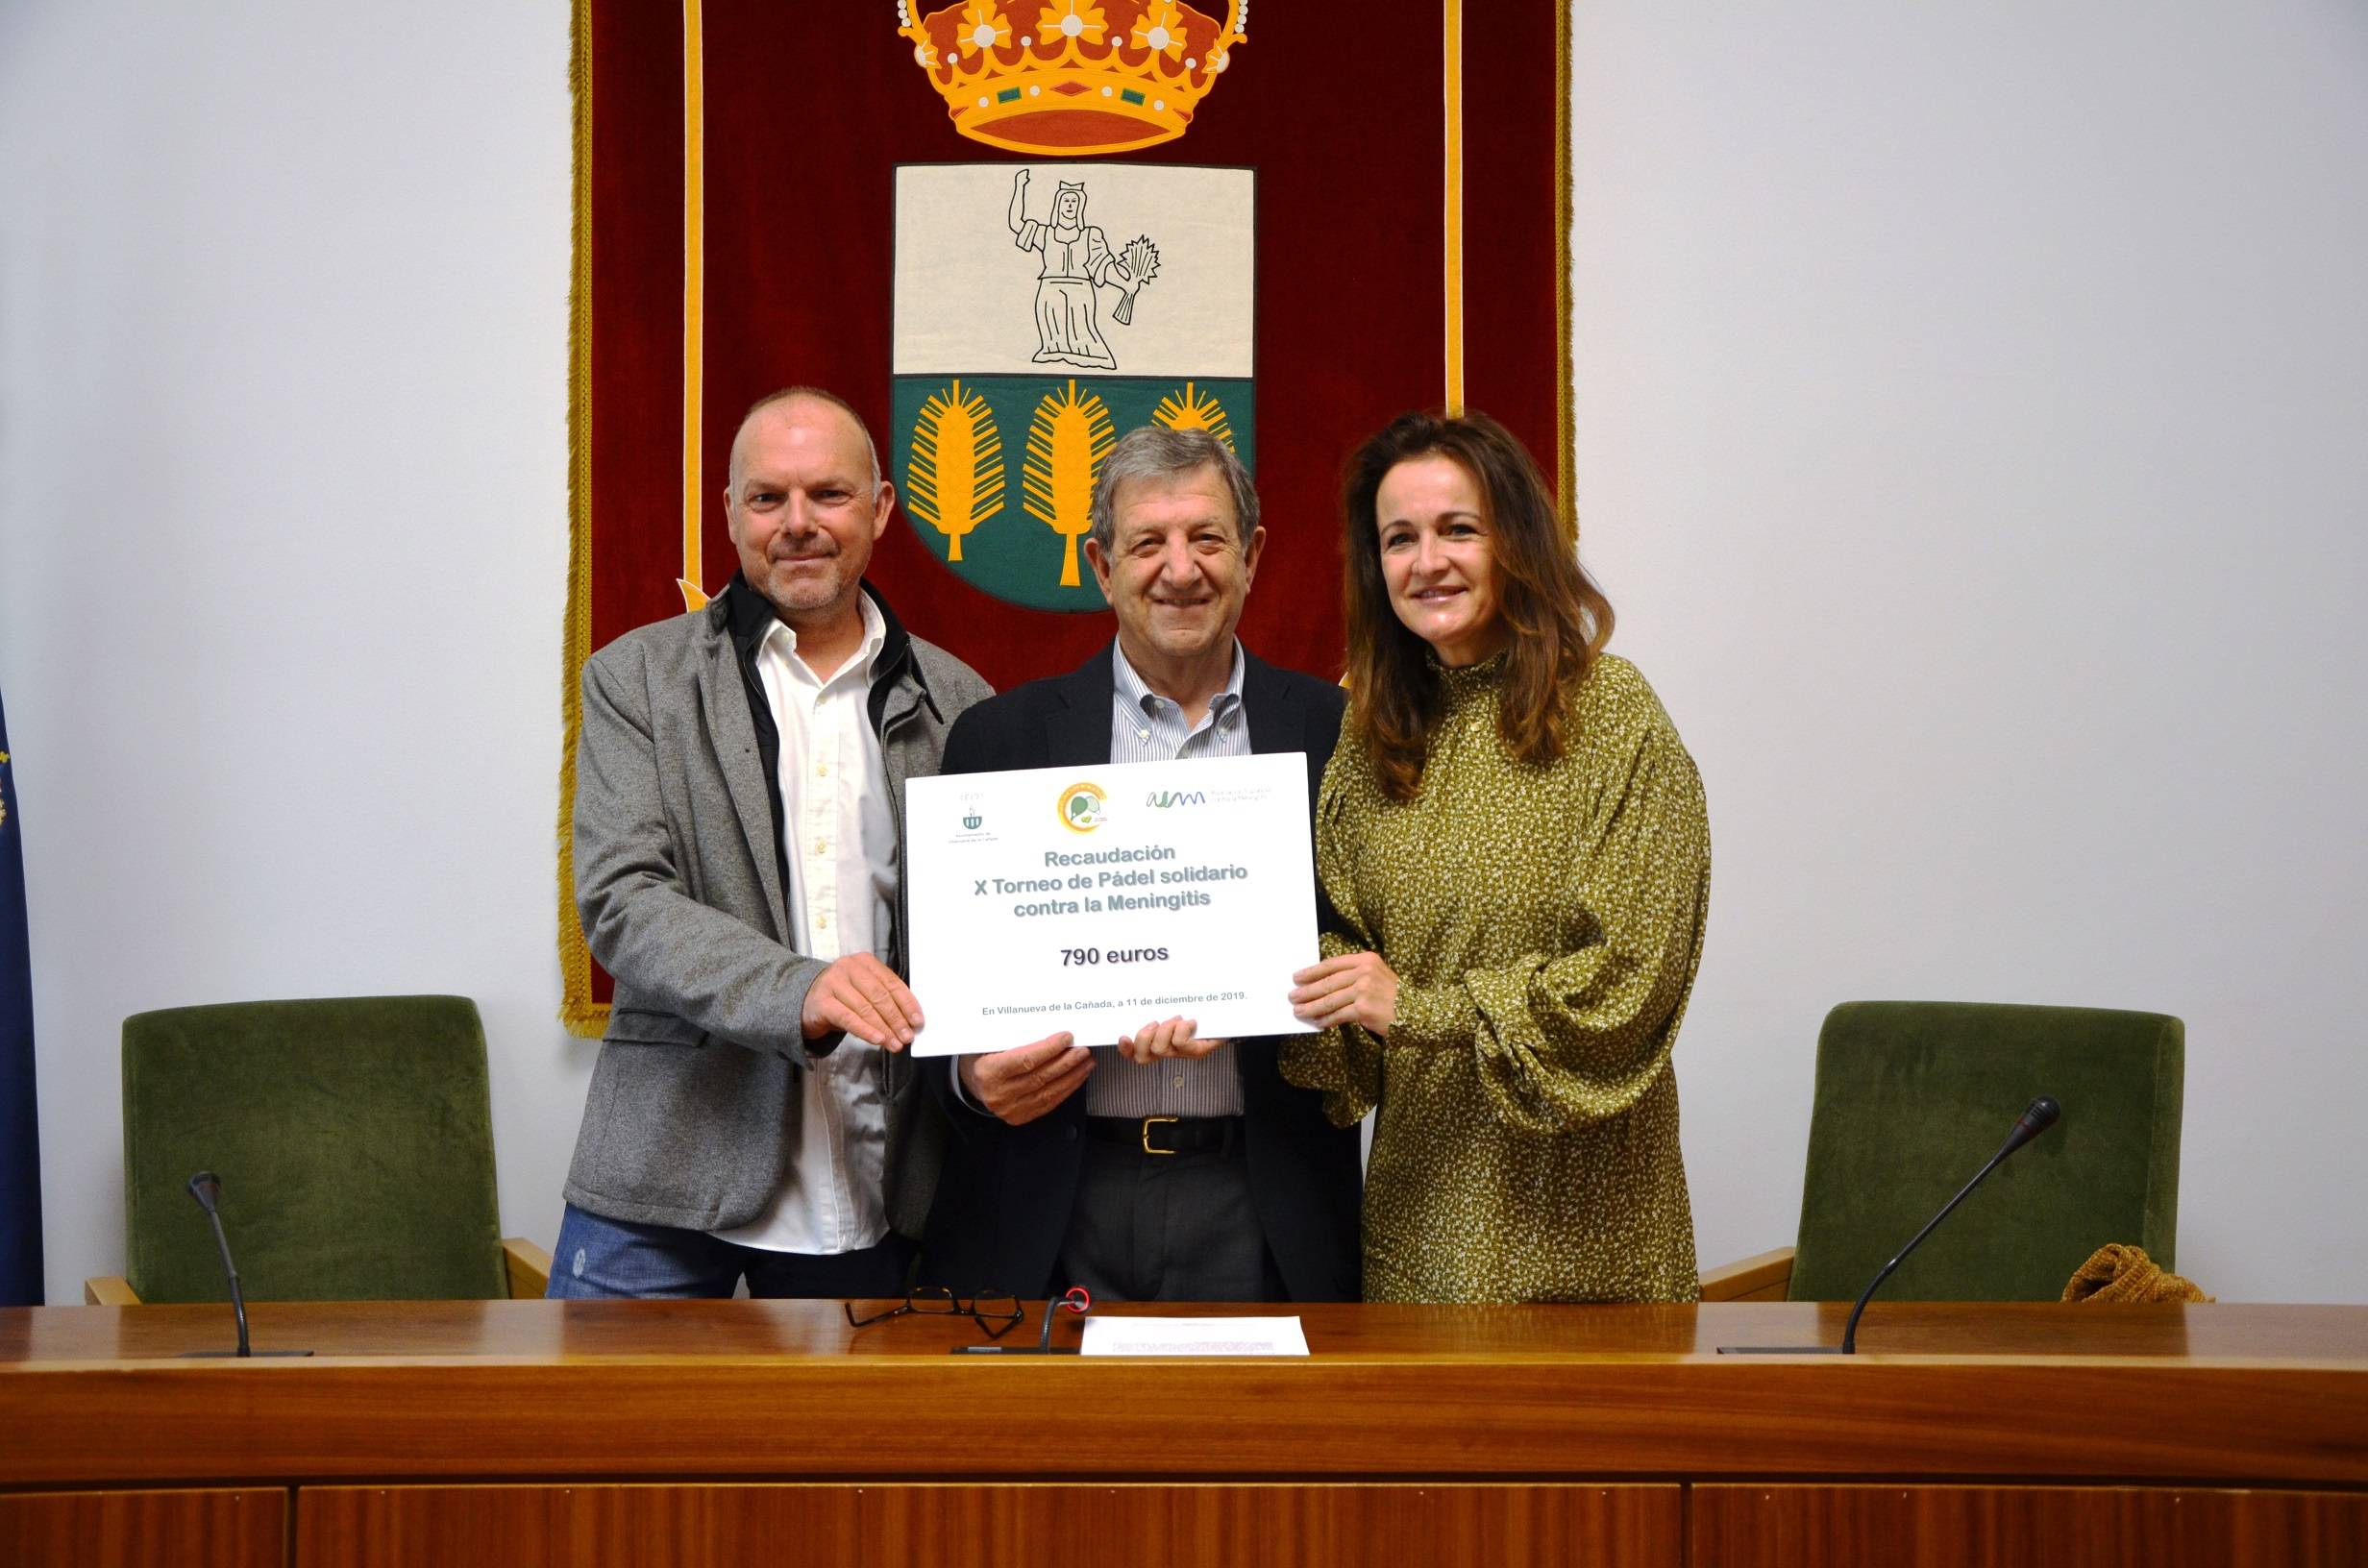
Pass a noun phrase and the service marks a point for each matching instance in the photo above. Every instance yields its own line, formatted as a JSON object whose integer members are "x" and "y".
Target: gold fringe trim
{"x": 583, "y": 1017}
{"x": 693, "y": 579}
{"x": 1565, "y": 417}
{"x": 1452, "y": 218}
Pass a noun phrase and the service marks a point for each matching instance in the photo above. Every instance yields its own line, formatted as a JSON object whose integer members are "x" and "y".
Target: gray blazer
{"x": 679, "y": 882}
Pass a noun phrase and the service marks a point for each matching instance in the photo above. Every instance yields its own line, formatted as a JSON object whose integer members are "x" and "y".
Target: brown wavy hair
{"x": 1558, "y": 618}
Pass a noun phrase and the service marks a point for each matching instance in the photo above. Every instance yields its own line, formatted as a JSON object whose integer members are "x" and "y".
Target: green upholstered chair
{"x": 353, "y": 1137}
{"x": 1912, "y": 1097}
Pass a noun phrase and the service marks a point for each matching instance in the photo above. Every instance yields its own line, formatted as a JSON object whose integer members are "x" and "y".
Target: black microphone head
{"x": 205, "y": 1188}
{"x": 2043, "y": 1112}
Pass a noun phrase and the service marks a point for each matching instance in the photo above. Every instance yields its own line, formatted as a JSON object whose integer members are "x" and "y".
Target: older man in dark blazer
{"x": 1174, "y": 1168}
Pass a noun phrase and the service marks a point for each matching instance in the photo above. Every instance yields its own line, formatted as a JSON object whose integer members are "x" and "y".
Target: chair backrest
{"x": 1913, "y": 1096}
{"x": 353, "y": 1137}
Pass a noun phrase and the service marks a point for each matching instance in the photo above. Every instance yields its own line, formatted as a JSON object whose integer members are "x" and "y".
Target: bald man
{"x": 739, "y": 790}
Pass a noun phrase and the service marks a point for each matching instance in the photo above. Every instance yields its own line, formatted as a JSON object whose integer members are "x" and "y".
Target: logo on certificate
{"x": 972, "y": 816}
{"x": 1081, "y": 807}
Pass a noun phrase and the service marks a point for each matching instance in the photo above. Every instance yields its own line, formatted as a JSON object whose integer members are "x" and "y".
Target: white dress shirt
{"x": 1145, "y": 726}
{"x": 842, "y": 858}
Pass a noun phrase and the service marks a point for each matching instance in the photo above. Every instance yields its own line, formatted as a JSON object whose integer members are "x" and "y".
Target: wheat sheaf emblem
{"x": 1192, "y": 409}
{"x": 1066, "y": 443}
{"x": 954, "y": 480}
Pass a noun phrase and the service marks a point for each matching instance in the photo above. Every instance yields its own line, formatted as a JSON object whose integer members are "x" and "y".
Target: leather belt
{"x": 1167, "y": 1134}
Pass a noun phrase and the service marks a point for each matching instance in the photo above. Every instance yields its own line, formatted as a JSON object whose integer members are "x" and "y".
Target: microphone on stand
{"x": 2036, "y": 1120}
{"x": 1079, "y": 1300}
{"x": 1076, "y": 1299}
{"x": 206, "y": 1188}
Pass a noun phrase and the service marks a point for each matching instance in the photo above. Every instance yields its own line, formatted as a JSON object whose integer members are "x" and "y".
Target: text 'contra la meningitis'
{"x": 1083, "y": 891}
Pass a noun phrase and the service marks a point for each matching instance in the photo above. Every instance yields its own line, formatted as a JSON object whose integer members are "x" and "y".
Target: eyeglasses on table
{"x": 997, "y": 1312}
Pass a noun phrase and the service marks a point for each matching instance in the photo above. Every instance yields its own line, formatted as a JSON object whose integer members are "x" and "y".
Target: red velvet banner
{"x": 735, "y": 176}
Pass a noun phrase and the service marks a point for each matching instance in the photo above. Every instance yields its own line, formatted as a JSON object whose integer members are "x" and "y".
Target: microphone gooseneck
{"x": 206, "y": 1188}
{"x": 1076, "y": 1299}
{"x": 2036, "y": 1118}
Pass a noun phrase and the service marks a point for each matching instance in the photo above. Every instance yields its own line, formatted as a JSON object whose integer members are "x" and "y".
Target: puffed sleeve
{"x": 1344, "y": 1062}
{"x": 1098, "y": 257}
{"x": 1566, "y": 1038}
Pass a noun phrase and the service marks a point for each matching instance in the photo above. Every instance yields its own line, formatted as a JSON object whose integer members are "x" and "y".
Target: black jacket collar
{"x": 1078, "y": 733}
{"x": 747, "y": 616}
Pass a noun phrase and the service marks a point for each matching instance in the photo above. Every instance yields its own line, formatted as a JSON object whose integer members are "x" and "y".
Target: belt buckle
{"x": 1147, "y": 1133}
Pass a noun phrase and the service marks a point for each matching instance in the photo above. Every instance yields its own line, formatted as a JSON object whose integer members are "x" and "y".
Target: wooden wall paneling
{"x": 2026, "y": 1527}
{"x": 216, "y": 1528}
{"x": 892, "y": 1526}
{"x": 564, "y": 1526}
{"x": 1283, "y": 1523}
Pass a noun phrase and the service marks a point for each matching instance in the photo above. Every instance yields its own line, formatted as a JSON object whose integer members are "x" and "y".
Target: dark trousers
{"x": 1175, "y": 1227}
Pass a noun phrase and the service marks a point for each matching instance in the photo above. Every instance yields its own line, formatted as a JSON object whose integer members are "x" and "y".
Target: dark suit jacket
{"x": 1004, "y": 1198}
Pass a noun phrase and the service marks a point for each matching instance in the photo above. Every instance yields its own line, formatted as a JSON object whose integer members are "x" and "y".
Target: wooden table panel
{"x": 1313, "y": 1419}
{"x": 2030, "y": 1526}
{"x": 990, "y": 1525}
{"x": 545, "y": 1330}
{"x": 213, "y": 1528}
{"x": 723, "y": 1390}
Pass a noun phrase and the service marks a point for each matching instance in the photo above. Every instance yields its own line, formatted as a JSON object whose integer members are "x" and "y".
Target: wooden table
{"x": 730, "y": 1432}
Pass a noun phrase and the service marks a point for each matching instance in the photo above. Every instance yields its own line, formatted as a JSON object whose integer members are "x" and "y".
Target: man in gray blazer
{"x": 739, "y": 813}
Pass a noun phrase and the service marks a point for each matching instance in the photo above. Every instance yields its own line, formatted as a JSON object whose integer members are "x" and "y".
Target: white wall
{"x": 1973, "y": 431}
{"x": 1970, "y": 406}
{"x": 283, "y": 535}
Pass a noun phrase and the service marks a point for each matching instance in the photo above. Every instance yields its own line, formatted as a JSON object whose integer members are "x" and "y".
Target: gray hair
{"x": 797, "y": 394}
{"x": 1154, "y": 451}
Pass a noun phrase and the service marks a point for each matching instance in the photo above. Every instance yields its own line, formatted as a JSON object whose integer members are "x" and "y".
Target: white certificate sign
{"x": 1192, "y": 1337}
{"x": 1097, "y": 900}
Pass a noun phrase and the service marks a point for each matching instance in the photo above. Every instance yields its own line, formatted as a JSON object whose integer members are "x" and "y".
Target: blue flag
{"x": 20, "y": 1133}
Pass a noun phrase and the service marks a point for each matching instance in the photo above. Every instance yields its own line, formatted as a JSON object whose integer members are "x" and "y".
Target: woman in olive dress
{"x": 1515, "y": 842}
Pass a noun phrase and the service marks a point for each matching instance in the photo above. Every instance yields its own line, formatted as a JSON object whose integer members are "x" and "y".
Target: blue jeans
{"x": 599, "y": 1256}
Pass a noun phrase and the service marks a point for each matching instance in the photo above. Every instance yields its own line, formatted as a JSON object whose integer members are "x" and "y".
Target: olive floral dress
{"x": 1544, "y": 924}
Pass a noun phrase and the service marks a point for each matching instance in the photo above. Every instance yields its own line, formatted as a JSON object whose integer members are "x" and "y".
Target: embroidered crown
{"x": 1067, "y": 77}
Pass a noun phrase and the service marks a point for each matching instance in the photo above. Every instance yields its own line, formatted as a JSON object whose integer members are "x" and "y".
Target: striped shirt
{"x": 1145, "y": 726}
